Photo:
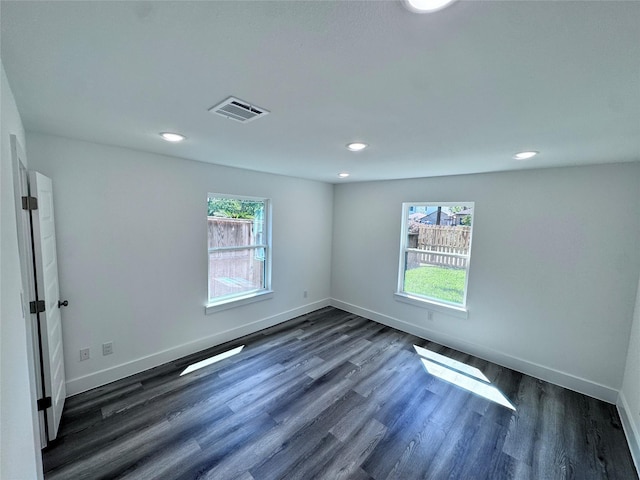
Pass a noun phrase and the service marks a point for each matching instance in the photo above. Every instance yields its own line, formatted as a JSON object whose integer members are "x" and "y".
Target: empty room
{"x": 322, "y": 239}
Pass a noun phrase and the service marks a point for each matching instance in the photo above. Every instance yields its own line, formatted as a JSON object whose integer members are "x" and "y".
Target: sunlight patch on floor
{"x": 208, "y": 361}
{"x": 462, "y": 375}
{"x": 450, "y": 362}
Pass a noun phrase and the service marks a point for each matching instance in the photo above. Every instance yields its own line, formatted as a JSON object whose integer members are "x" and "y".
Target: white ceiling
{"x": 457, "y": 91}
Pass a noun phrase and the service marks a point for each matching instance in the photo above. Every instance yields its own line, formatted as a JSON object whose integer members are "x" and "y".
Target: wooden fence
{"x": 225, "y": 232}
{"x": 443, "y": 246}
{"x": 232, "y": 271}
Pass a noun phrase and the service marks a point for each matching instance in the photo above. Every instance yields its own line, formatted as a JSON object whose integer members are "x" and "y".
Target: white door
{"x": 25, "y": 249}
{"x": 47, "y": 291}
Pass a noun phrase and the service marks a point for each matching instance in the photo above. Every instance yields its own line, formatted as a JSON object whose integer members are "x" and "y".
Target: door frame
{"x": 25, "y": 251}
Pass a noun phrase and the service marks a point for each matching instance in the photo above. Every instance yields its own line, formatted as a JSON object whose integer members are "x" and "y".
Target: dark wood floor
{"x": 332, "y": 395}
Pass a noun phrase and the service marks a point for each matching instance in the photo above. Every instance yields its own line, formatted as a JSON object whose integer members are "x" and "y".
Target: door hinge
{"x": 36, "y": 306}
{"x": 44, "y": 403}
{"x": 29, "y": 203}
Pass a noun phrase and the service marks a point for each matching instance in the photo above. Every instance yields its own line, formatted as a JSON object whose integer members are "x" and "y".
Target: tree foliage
{"x": 233, "y": 208}
{"x": 466, "y": 219}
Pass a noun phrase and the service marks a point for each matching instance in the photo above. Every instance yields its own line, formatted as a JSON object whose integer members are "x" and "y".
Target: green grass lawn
{"x": 439, "y": 283}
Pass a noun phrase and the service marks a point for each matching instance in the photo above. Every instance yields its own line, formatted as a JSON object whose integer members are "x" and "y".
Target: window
{"x": 435, "y": 253}
{"x": 238, "y": 230}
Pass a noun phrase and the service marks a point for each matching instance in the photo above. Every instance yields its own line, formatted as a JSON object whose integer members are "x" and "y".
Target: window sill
{"x": 237, "y": 301}
{"x": 452, "y": 310}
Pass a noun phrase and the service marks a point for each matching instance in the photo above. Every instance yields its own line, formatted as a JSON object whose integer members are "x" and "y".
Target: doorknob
{"x": 63, "y": 304}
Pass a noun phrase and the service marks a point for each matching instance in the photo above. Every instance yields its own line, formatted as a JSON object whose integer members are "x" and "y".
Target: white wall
{"x": 629, "y": 400}
{"x": 553, "y": 272}
{"x": 19, "y": 444}
{"x": 552, "y": 288}
{"x": 132, "y": 253}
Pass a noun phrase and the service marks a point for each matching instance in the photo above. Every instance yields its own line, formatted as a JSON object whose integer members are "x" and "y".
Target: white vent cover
{"x": 238, "y": 110}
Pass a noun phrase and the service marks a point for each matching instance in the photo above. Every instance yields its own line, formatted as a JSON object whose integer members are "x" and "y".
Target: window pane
{"x": 238, "y": 236}
{"x": 235, "y": 272}
{"x": 437, "y": 251}
{"x": 235, "y": 222}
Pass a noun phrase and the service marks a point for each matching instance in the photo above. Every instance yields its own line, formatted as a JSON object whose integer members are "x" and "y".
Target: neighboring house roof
{"x": 445, "y": 210}
{"x": 435, "y": 214}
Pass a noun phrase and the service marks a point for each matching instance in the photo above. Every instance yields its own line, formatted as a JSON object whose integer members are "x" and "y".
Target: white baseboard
{"x": 563, "y": 379}
{"x": 631, "y": 429}
{"x": 102, "y": 377}
{"x": 108, "y": 375}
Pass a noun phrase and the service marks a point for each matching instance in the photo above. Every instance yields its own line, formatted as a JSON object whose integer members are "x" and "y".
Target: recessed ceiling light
{"x": 343, "y": 175}
{"x": 357, "y": 146}
{"x": 525, "y": 155}
{"x": 172, "y": 137}
{"x": 426, "y": 6}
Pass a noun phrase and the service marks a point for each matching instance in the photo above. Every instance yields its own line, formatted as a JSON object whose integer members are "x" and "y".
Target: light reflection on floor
{"x": 450, "y": 362}
{"x": 208, "y": 361}
{"x": 462, "y": 375}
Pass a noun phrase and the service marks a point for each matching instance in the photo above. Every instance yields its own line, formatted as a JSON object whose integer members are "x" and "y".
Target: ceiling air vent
{"x": 238, "y": 110}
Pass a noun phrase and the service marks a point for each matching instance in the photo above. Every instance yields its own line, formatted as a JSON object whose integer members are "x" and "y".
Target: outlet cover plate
{"x": 107, "y": 348}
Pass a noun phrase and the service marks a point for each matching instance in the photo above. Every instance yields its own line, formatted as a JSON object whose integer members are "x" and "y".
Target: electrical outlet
{"x": 85, "y": 354}
{"x": 304, "y": 294}
{"x": 107, "y": 348}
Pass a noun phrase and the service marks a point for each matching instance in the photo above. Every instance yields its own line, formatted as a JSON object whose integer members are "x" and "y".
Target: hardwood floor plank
{"x": 550, "y": 459}
{"x": 405, "y": 422}
{"x": 607, "y": 437}
{"x": 305, "y": 442}
{"x": 107, "y": 396}
{"x": 521, "y": 434}
{"x": 74, "y": 424}
{"x": 330, "y": 362}
{"x": 457, "y": 444}
{"x": 72, "y": 448}
{"x": 193, "y": 381}
{"x": 358, "y": 448}
{"x": 370, "y": 379}
{"x": 484, "y": 451}
{"x": 320, "y": 394}
{"x": 332, "y": 395}
{"x": 105, "y": 462}
{"x": 505, "y": 466}
{"x": 419, "y": 452}
{"x": 304, "y": 410}
{"x": 379, "y": 401}
{"x": 311, "y": 465}
{"x": 219, "y": 441}
{"x": 279, "y": 387}
{"x": 168, "y": 462}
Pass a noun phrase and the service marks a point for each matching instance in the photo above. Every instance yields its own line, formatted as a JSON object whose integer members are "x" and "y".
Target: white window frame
{"x": 244, "y": 298}
{"x": 420, "y": 300}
